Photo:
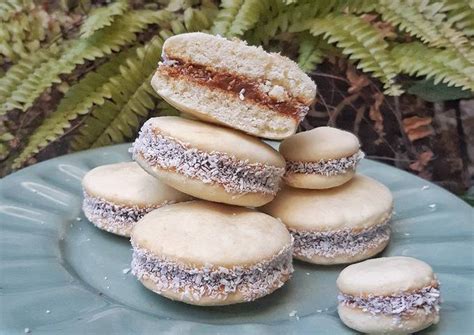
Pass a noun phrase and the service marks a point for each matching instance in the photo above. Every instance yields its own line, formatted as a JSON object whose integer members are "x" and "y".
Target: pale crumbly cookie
{"x": 116, "y": 196}
{"x": 389, "y": 295}
{"x": 340, "y": 225}
{"x": 205, "y": 253}
{"x": 231, "y": 83}
{"x": 209, "y": 162}
{"x": 320, "y": 158}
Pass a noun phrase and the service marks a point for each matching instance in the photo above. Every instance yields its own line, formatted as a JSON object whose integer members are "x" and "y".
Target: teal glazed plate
{"x": 61, "y": 275}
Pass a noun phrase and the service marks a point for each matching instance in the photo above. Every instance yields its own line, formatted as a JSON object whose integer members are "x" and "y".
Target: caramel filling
{"x": 243, "y": 87}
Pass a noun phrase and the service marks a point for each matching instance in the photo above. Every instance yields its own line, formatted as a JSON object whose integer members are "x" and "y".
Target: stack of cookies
{"x": 334, "y": 215}
{"x": 188, "y": 201}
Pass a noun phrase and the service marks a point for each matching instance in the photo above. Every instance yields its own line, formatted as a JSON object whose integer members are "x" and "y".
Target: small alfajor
{"x": 209, "y": 162}
{"x": 320, "y": 158}
{"x": 116, "y": 196}
{"x": 344, "y": 224}
{"x": 388, "y": 295}
{"x": 205, "y": 253}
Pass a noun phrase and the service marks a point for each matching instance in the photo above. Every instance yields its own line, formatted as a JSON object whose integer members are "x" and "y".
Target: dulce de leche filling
{"x": 244, "y": 87}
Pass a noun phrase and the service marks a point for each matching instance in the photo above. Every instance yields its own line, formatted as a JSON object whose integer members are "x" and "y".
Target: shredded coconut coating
{"x": 330, "y": 167}
{"x": 341, "y": 242}
{"x": 426, "y": 299}
{"x": 113, "y": 217}
{"x": 215, "y": 282}
{"x": 236, "y": 176}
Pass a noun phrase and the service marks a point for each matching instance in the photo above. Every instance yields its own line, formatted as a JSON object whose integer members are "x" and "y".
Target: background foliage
{"x": 75, "y": 73}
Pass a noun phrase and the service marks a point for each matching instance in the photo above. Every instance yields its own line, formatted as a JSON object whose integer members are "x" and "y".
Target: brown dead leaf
{"x": 356, "y": 80}
{"x": 375, "y": 114}
{"x": 385, "y": 29}
{"x": 418, "y": 127}
{"x": 422, "y": 161}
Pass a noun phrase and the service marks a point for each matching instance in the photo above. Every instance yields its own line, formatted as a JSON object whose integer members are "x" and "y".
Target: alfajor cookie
{"x": 231, "y": 83}
{"x": 320, "y": 158}
{"x": 344, "y": 224}
{"x": 209, "y": 162}
{"x": 116, "y": 196}
{"x": 389, "y": 295}
{"x": 205, "y": 253}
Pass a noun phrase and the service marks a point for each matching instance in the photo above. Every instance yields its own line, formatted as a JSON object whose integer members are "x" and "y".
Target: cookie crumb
{"x": 241, "y": 94}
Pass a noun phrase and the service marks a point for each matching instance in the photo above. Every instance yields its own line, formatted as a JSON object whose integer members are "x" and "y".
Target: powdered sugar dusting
{"x": 341, "y": 242}
{"x": 326, "y": 168}
{"x": 236, "y": 176}
{"x": 426, "y": 299}
{"x": 112, "y": 217}
{"x": 216, "y": 282}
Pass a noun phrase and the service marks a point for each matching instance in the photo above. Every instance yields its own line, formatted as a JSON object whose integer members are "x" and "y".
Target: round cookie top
{"x": 323, "y": 143}
{"x": 385, "y": 276}
{"x": 360, "y": 203}
{"x": 128, "y": 184}
{"x": 212, "y": 138}
{"x": 199, "y": 233}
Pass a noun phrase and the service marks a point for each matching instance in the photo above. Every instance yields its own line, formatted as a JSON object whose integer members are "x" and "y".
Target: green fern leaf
{"x": 362, "y": 43}
{"x": 299, "y": 16}
{"x": 310, "y": 53}
{"x": 132, "y": 97}
{"x": 239, "y": 16}
{"x": 226, "y": 16}
{"x": 89, "y": 91}
{"x": 103, "y": 42}
{"x": 426, "y": 21}
{"x": 202, "y": 18}
{"x": 442, "y": 65}
{"x": 21, "y": 71}
{"x": 102, "y": 17}
{"x": 9, "y": 8}
{"x": 461, "y": 14}
{"x": 279, "y": 17}
{"x": 359, "y": 6}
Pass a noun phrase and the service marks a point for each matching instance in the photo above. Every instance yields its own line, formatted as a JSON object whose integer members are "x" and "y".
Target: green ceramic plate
{"x": 60, "y": 275}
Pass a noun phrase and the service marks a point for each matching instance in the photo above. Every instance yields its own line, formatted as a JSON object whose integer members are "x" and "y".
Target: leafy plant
{"x": 102, "y": 67}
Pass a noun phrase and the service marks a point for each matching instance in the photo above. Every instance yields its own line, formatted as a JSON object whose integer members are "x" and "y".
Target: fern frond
{"x": 89, "y": 91}
{"x": 362, "y": 43}
{"x": 23, "y": 69}
{"x": 280, "y": 17}
{"x": 238, "y": 16}
{"x": 442, "y": 65}
{"x": 359, "y": 6}
{"x": 22, "y": 29}
{"x": 202, "y": 18}
{"x": 8, "y": 8}
{"x": 461, "y": 14}
{"x": 101, "y": 17}
{"x": 299, "y": 16}
{"x": 105, "y": 41}
{"x": 426, "y": 21}
{"x": 131, "y": 97}
{"x": 226, "y": 16}
{"x": 310, "y": 54}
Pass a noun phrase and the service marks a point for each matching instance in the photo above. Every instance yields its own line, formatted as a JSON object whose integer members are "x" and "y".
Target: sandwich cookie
{"x": 116, "y": 196}
{"x": 209, "y": 162}
{"x": 345, "y": 224}
{"x": 394, "y": 295}
{"x": 230, "y": 83}
{"x": 205, "y": 253}
{"x": 320, "y": 158}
